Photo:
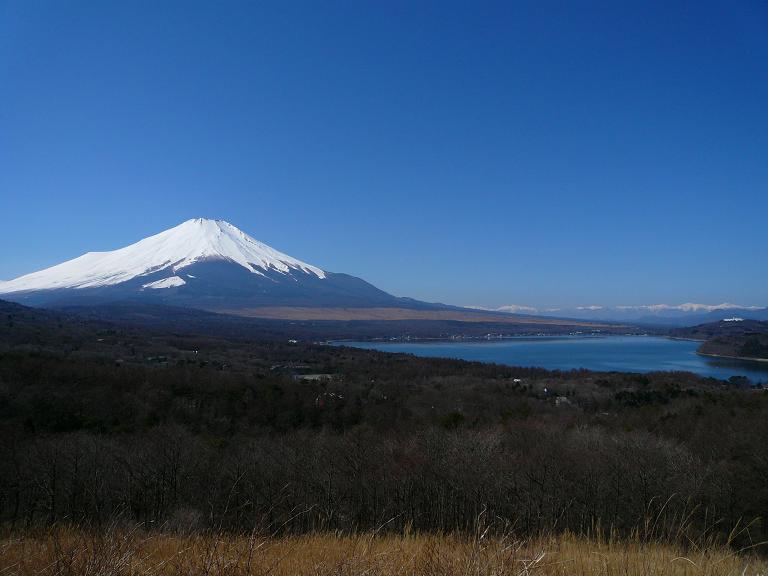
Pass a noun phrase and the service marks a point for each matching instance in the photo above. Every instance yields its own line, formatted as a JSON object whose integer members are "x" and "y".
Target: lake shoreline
{"x": 481, "y": 339}
{"x": 629, "y": 353}
{"x": 743, "y": 358}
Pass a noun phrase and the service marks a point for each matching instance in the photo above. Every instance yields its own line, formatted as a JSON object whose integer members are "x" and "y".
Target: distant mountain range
{"x": 212, "y": 265}
{"x": 207, "y": 276}
{"x": 687, "y": 314}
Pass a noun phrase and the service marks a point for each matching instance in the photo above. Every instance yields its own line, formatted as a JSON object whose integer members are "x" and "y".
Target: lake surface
{"x": 605, "y": 353}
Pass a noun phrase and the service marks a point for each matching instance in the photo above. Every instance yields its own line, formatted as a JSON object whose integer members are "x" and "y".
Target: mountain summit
{"x": 172, "y": 251}
{"x": 199, "y": 263}
{"x": 213, "y": 265}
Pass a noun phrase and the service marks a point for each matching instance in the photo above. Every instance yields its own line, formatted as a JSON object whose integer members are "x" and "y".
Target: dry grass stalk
{"x": 70, "y": 552}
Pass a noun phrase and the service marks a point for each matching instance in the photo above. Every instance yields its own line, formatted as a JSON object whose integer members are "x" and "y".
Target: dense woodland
{"x": 739, "y": 339}
{"x": 102, "y": 423}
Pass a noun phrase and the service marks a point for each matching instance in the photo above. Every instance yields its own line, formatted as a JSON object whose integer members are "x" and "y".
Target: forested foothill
{"x": 102, "y": 423}
{"x": 734, "y": 338}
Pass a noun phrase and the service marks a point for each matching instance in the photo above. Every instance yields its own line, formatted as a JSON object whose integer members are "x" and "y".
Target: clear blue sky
{"x": 543, "y": 153}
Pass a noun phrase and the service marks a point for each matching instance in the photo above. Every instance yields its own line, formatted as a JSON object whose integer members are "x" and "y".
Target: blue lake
{"x": 605, "y": 353}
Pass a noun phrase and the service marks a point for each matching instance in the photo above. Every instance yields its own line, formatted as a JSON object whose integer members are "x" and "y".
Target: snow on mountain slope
{"x": 165, "y": 283}
{"x": 191, "y": 242}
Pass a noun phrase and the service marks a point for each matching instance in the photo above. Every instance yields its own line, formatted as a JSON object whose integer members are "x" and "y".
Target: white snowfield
{"x": 175, "y": 249}
{"x": 165, "y": 283}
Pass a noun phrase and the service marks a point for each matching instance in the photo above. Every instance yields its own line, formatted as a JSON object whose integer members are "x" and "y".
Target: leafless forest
{"x": 117, "y": 430}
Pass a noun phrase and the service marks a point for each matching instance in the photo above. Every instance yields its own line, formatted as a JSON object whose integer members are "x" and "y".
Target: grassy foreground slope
{"x": 64, "y": 552}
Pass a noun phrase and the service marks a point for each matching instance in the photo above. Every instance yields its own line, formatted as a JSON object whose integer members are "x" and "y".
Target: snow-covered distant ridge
{"x": 650, "y": 308}
{"x": 689, "y": 307}
{"x": 686, "y": 314}
{"x": 190, "y": 242}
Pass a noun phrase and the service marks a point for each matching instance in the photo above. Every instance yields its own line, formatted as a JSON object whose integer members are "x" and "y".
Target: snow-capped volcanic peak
{"x": 191, "y": 242}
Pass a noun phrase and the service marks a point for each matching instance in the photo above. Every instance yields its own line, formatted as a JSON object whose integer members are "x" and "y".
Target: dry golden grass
{"x": 67, "y": 552}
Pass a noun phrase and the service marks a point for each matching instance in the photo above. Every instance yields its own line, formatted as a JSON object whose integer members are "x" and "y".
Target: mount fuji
{"x": 201, "y": 263}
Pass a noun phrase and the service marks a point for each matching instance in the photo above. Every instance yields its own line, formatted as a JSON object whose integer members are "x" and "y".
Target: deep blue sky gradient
{"x": 544, "y": 153}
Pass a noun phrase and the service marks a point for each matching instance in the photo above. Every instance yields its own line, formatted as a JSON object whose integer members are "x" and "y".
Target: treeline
{"x": 41, "y": 393}
{"x": 754, "y": 346}
{"x": 191, "y": 447}
{"x": 191, "y": 433}
{"x": 742, "y": 339}
{"x": 526, "y": 478}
